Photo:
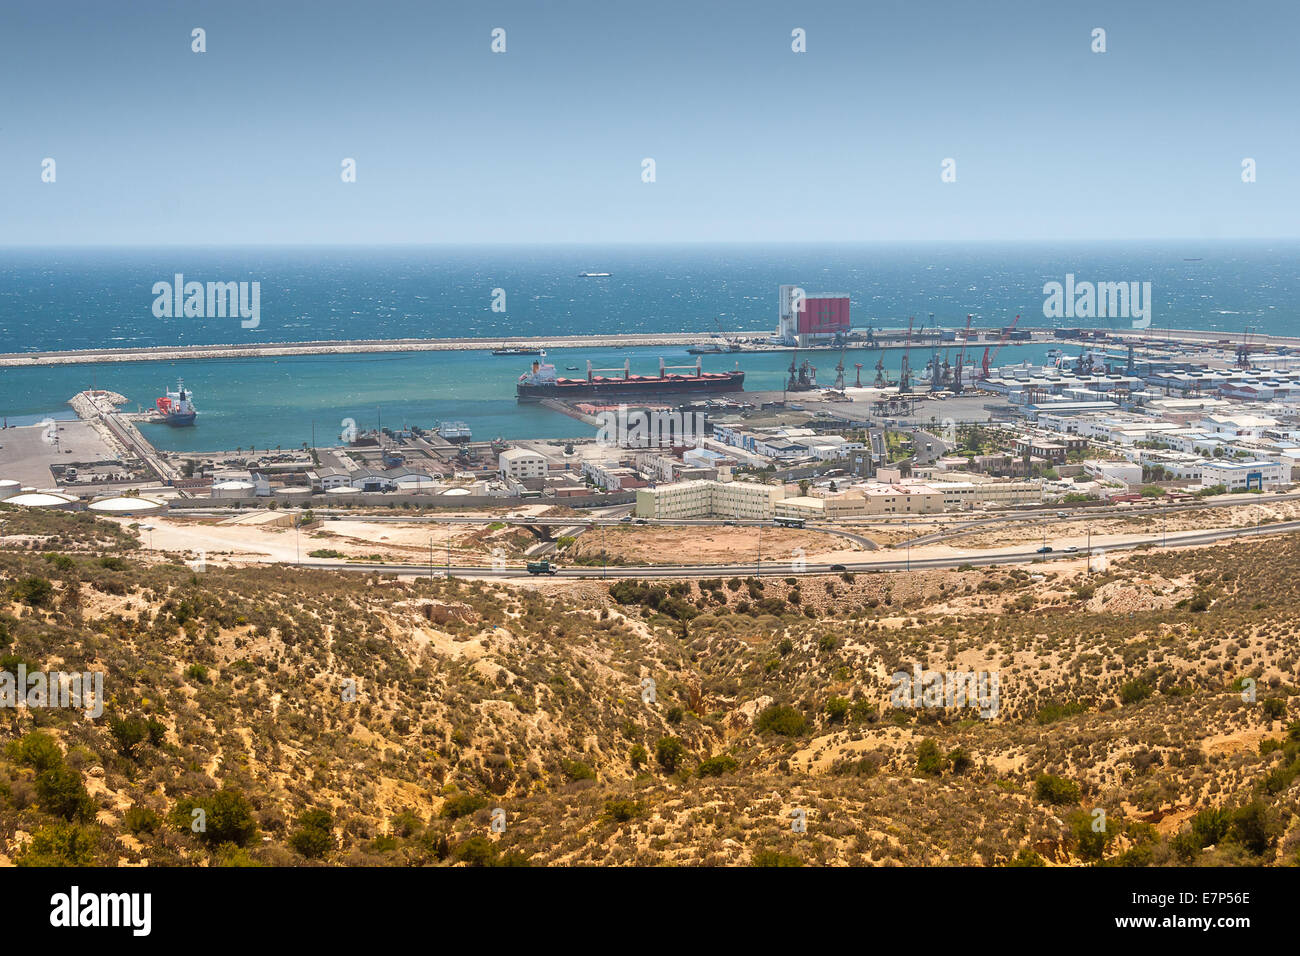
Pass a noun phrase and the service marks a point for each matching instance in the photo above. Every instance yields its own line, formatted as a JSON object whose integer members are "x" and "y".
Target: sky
{"x": 155, "y": 144}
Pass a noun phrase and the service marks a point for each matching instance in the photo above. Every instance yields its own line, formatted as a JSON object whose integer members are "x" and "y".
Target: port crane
{"x": 905, "y": 375}
{"x": 733, "y": 344}
{"x": 858, "y": 366}
{"x": 961, "y": 358}
{"x": 839, "y": 371}
{"x": 989, "y": 359}
{"x": 1243, "y": 350}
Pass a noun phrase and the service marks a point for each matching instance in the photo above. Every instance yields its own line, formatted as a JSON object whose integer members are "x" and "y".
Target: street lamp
{"x": 149, "y": 528}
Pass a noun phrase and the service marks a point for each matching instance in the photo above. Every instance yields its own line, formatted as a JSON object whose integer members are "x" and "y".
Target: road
{"x": 785, "y": 569}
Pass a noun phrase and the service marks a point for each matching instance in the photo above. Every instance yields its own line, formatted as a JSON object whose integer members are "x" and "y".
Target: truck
{"x": 541, "y": 567}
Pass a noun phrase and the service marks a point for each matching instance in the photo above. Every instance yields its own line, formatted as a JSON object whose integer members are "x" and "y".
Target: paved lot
{"x": 26, "y": 455}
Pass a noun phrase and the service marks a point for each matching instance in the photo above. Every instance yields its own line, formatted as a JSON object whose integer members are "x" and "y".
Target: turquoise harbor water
{"x": 87, "y": 298}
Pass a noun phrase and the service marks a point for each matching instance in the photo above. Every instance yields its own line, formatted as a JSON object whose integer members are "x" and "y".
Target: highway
{"x": 786, "y": 569}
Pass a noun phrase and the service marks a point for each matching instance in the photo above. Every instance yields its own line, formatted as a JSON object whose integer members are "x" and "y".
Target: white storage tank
{"x": 232, "y": 489}
{"x": 9, "y": 488}
{"x": 293, "y": 493}
{"x": 44, "y": 499}
{"x": 128, "y": 505}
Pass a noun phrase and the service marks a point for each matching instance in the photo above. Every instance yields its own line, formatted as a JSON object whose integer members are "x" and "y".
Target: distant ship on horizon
{"x": 594, "y": 275}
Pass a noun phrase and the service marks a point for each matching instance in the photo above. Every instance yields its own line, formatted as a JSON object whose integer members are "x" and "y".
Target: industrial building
{"x": 520, "y": 463}
{"x": 805, "y": 320}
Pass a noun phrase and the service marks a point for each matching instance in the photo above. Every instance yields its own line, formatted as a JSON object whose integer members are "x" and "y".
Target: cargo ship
{"x": 516, "y": 350}
{"x": 177, "y": 408}
{"x": 542, "y": 382}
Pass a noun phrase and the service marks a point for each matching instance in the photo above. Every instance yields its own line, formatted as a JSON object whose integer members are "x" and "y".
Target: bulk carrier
{"x": 542, "y": 382}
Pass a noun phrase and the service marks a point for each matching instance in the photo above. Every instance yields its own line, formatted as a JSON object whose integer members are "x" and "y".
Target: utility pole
{"x": 759, "y": 566}
{"x": 907, "y": 530}
{"x": 449, "y": 554}
{"x": 1088, "y": 570}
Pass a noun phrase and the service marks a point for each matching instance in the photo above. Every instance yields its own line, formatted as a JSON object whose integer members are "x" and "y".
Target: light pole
{"x": 449, "y": 553}
{"x": 1088, "y": 570}
{"x": 907, "y": 530}
{"x": 149, "y": 528}
{"x": 759, "y": 567}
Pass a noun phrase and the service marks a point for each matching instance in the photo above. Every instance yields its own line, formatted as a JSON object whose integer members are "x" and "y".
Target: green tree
{"x": 314, "y": 836}
{"x": 669, "y": 752}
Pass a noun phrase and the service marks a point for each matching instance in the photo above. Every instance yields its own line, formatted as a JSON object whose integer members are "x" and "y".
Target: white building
{"x": 520, "y": 463}
{"x": 742, "y": 500}
{"x": 1243, "y": 475}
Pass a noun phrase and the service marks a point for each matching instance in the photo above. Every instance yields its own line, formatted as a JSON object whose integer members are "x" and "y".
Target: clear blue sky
{"x": 159, "y": 145}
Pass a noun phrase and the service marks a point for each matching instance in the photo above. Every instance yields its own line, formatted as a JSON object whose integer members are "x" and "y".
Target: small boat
{"x": 516, "y": 350}
{"x": 571, "y": 368}
{"x": 594, "y": 275}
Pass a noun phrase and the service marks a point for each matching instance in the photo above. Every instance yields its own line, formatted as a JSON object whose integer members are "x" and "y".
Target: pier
{"x": 755, "y": 341}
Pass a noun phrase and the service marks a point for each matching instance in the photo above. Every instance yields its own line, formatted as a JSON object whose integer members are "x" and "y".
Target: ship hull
{"x": 179, "y": 420}
{"x": 633, "y": 387}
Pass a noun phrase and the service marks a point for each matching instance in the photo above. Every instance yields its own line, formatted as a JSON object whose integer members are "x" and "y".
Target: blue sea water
{"x": 96, "y": 298}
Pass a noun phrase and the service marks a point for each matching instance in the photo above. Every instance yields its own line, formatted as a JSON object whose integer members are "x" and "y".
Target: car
{"x": 626, "y": 519}
{"x": 1045, "y": 549}
{"x": 1071, "y": 549}
{"x": 838, "y": 567}
{"x": 1062, "y": 514}
{"x": 728, "y": 524}
{"x": 640, "y": 521}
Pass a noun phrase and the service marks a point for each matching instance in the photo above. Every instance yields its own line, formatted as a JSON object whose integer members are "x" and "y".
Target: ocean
{"x": 80, "y": 298}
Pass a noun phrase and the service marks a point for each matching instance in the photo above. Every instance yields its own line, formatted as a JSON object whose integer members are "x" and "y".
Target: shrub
{"x": 1027, "y": 857}
{"x": 622, "y": 810}
{"x": 837, "y": 708}
{"x": 476, "y": 851}
{"x": 717, "y": 766}
{"x": 1134, "y": 691}
{"x": 462, "y": 804}
{"x": 37, "y": 750}
{"x": 929, "y": 758}
{"x": 637, "y": 756}
{"x": 1091, "y": 843}
{"x": 1256, "y": 827}
{"x": 60, "y": 844}
{"x": 780, "y": 719}
{"x": 34, "y": 592}
{"x": 226, "y": 818}
{"x": 1056, "y": 790}
{"x": 576, "y": 770}
{"x": 140, "y": 819}
{"x": 61, "y": 792}
{"x": 774, "y": 858}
